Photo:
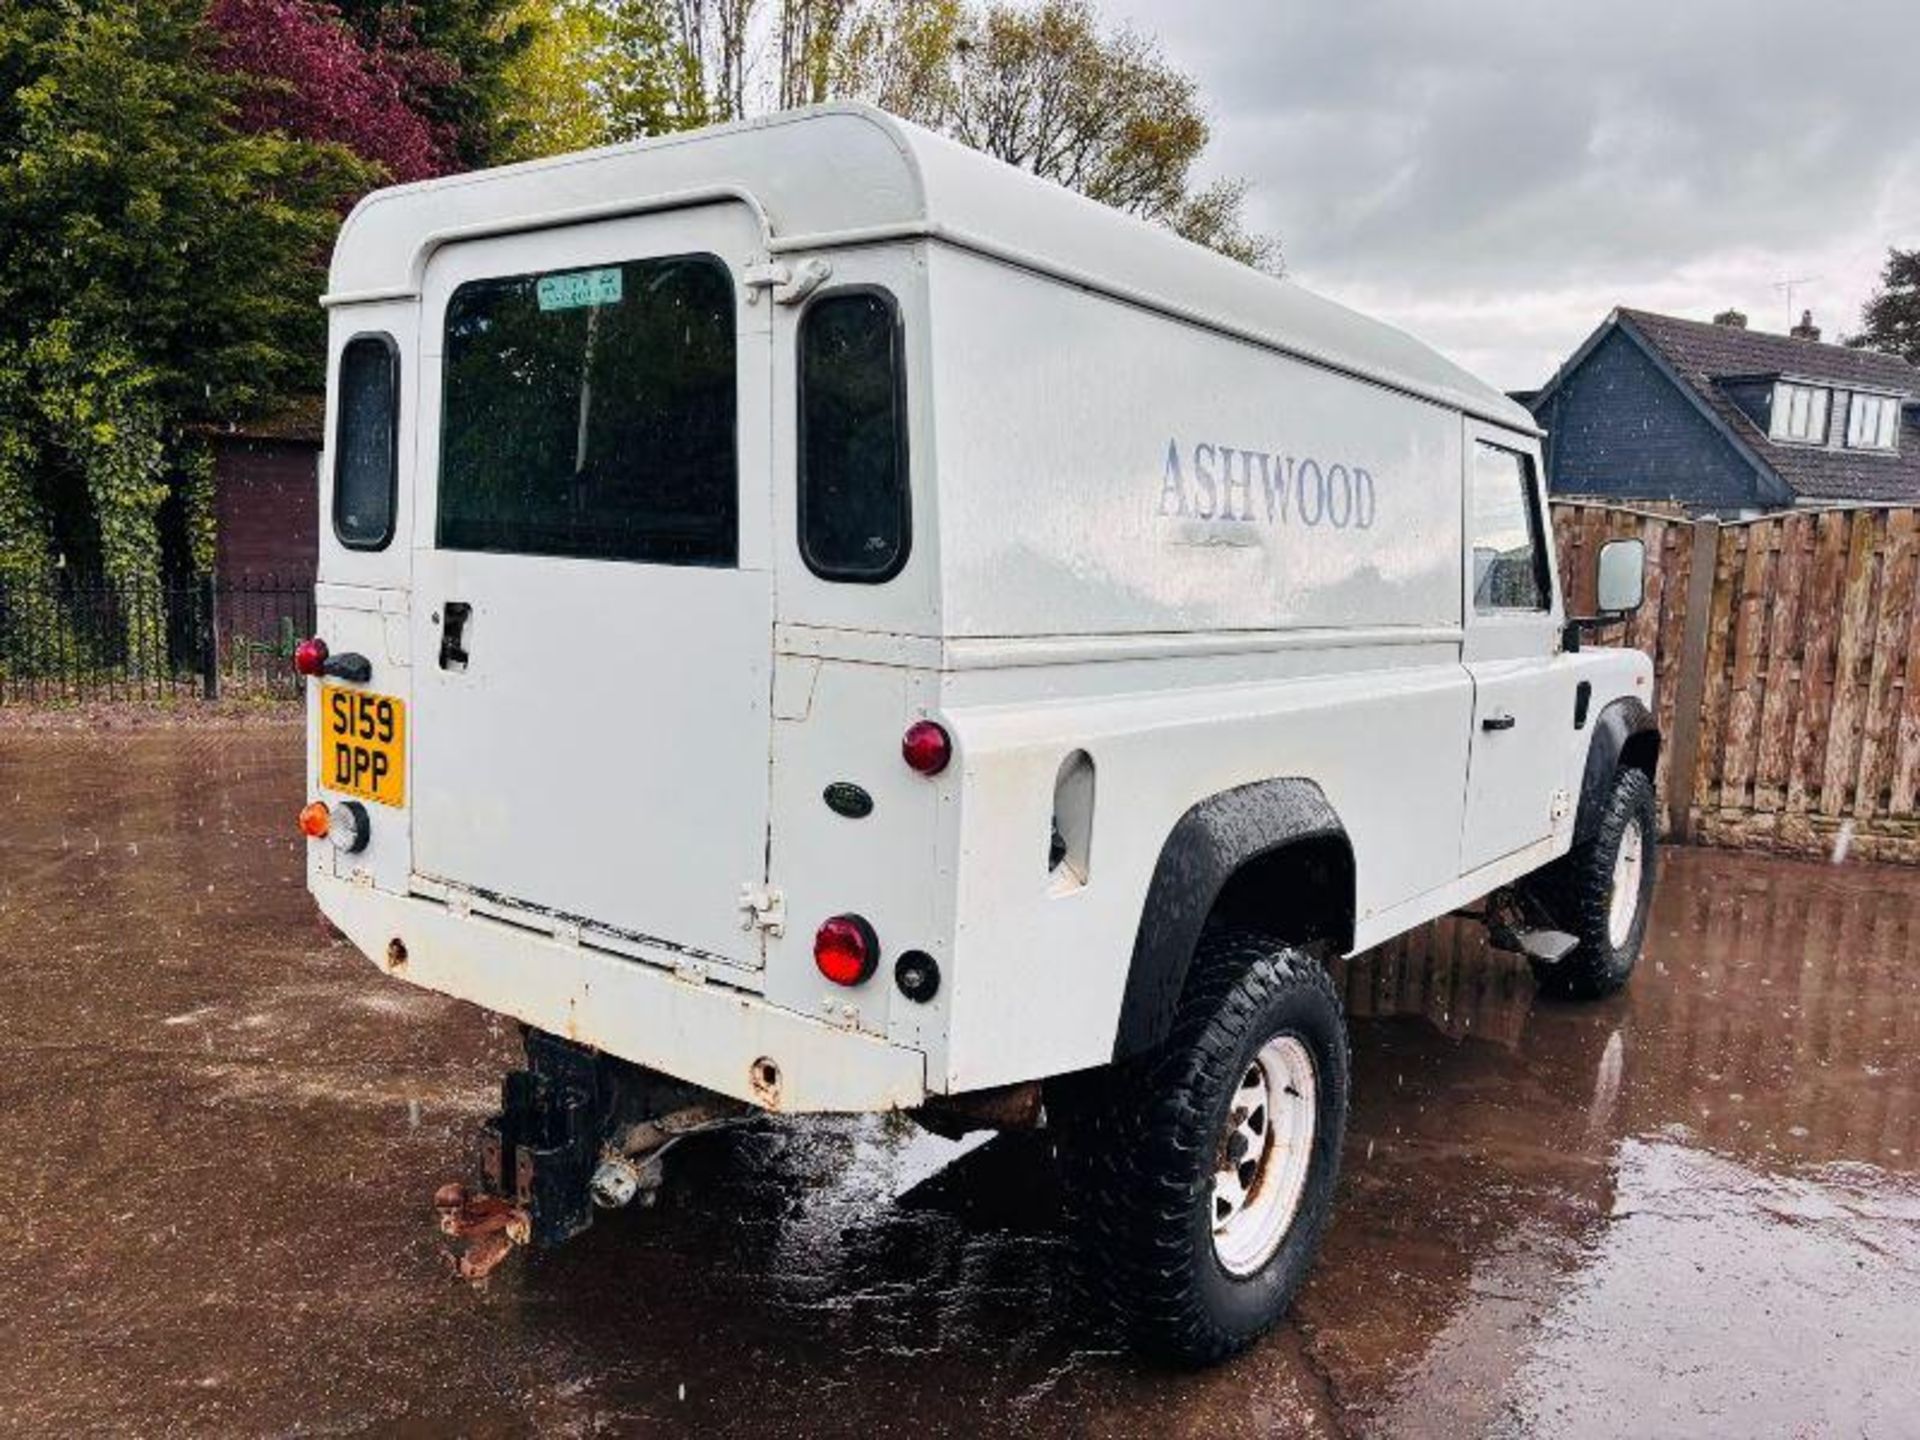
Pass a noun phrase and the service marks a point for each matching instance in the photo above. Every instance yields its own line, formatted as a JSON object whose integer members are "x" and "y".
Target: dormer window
{"x": 1800, "y": 413}
{"x": 1872, "y": 421}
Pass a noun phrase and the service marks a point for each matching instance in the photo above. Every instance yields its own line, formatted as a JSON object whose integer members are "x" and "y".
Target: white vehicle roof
{"x": 843, "y": 174}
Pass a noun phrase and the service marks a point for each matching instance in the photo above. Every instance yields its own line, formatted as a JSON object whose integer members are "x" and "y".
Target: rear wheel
{"x": 1200, "y": 1178}
{"x": 1600, "y": 891}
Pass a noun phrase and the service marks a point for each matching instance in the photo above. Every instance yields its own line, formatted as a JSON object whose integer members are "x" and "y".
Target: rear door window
{"x": 365, "y": 442}
{"x": 591, "y": 414}
{"x": 855, "y": 516}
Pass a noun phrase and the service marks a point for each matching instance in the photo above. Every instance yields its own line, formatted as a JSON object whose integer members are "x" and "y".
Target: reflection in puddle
{"x": 1693, "y": 1206}
{"x": 1802, "y": 1287}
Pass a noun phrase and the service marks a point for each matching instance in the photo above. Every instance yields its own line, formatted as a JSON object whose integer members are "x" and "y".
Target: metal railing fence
{"x": 79, "y": 639}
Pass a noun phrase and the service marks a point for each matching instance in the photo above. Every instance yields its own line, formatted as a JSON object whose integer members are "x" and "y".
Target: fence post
{"x": 210, "y": 637}
{"x": 1690, "y": 680}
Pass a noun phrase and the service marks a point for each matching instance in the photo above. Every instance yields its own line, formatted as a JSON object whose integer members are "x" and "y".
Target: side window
{"x": 366, "y": 442}
{"x": 1509, "y": 554}
{"x": 855, "y": 508}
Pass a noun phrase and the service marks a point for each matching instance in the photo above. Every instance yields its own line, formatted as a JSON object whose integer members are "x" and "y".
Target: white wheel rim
{"x": 1265, "y": 1153}
{"x": 1624, "y": 903}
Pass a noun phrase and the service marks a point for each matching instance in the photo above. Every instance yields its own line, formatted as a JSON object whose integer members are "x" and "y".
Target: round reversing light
{"x": 926, "y": 747}
{"x": 349, "y": 828}
{"x": 846, "y": 950}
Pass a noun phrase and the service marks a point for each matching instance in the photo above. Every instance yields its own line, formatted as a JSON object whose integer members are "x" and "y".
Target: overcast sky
{"x": 1495, "y": 175}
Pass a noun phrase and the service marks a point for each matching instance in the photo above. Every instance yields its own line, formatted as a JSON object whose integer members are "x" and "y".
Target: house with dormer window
{"x": 1727, "y": 420}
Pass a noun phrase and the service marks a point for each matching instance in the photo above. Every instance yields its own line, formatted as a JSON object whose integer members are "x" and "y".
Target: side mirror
{"x": 1622, "y": 576}
{"x": 1620, "y": 586}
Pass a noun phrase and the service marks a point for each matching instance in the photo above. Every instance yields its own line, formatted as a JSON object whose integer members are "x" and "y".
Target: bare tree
{"x": 1102, "y": 111}
{"x": 813, "y": 35}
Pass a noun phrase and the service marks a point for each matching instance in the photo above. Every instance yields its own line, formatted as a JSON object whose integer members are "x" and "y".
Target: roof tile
{"x": 1703, "y": 354}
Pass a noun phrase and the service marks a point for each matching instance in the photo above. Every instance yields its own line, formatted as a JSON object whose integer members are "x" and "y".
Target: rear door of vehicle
{"x": 592, "y": 605}
{"x": 1522, "y": 693}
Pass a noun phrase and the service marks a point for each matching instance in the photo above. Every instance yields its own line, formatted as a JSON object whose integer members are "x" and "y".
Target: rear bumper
{"x": 704, "y": 1034}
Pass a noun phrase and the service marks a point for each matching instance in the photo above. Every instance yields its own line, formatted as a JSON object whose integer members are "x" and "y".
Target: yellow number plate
{"x": 363, "y": 744}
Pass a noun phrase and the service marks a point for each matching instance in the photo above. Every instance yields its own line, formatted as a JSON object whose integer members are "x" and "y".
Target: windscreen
{"x": 591, "y": 413}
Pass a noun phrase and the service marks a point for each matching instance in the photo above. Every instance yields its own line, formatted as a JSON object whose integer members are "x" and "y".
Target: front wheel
{"x": 1601, "y": 891}
{"x": 1199, "y": 1178}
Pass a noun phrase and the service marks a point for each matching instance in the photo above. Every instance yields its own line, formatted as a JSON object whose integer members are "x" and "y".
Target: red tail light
{"x": 926, "y": 747}
{"x": 315, "y": 819}
{"x": 846, "y": 950}
{"x": 310, "y": 656}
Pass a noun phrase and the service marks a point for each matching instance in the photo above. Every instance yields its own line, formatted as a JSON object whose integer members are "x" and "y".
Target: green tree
{"x": 553, "y": 86}
{"x": 130, "y": 209}
{"x": 479, "y": 102}
{"x": 1891, "y": 320}
{"x": 652, "y": 76}
{"x": 157, "y": 269}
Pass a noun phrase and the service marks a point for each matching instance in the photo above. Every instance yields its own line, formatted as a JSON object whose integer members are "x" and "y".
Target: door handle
{"x": 453, "y": 634}
{"x": 1498, "y": 722}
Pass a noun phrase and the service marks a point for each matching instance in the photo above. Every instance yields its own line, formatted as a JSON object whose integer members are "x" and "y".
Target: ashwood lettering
{"x": 1218, "y": 482}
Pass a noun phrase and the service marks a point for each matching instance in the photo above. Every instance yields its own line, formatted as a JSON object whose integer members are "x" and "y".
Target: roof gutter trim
{"x": 1145, "y": 300}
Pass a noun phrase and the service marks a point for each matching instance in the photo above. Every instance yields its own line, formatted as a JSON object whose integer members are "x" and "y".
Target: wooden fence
{"x": 1785, "y": 673}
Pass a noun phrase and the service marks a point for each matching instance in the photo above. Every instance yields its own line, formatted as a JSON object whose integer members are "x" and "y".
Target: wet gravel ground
{"x": 1692, "y": 1209}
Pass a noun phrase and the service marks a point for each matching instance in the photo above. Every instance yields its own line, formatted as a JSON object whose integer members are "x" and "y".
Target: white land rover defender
{"x": 814, "y": 619}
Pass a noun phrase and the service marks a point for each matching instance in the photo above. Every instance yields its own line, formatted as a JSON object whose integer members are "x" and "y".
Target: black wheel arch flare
{"x": 1624, "y": 729}
{"x": 1211, "y": 843}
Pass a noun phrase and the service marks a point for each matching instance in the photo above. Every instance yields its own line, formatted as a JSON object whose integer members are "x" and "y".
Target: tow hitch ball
{"x": 576, "y": 1130}
{"x": 617, "y": 1181}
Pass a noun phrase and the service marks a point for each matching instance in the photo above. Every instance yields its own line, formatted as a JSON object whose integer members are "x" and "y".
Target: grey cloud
{"x": 1424, "y": 157}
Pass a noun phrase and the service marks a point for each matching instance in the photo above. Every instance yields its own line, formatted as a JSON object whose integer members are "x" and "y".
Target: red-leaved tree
{"x": 317, "y": 80}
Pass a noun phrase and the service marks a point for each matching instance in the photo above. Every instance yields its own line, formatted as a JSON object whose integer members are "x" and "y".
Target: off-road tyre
{"x": 1140, "y": 1144}
{"x": 1578, "y": 891}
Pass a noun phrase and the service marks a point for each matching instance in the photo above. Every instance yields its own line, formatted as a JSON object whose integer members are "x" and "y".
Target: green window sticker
{"x": 579, "y": 287}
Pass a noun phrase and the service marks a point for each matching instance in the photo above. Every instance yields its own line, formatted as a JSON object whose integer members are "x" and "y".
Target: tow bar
{"x": 576, "y": 1130}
